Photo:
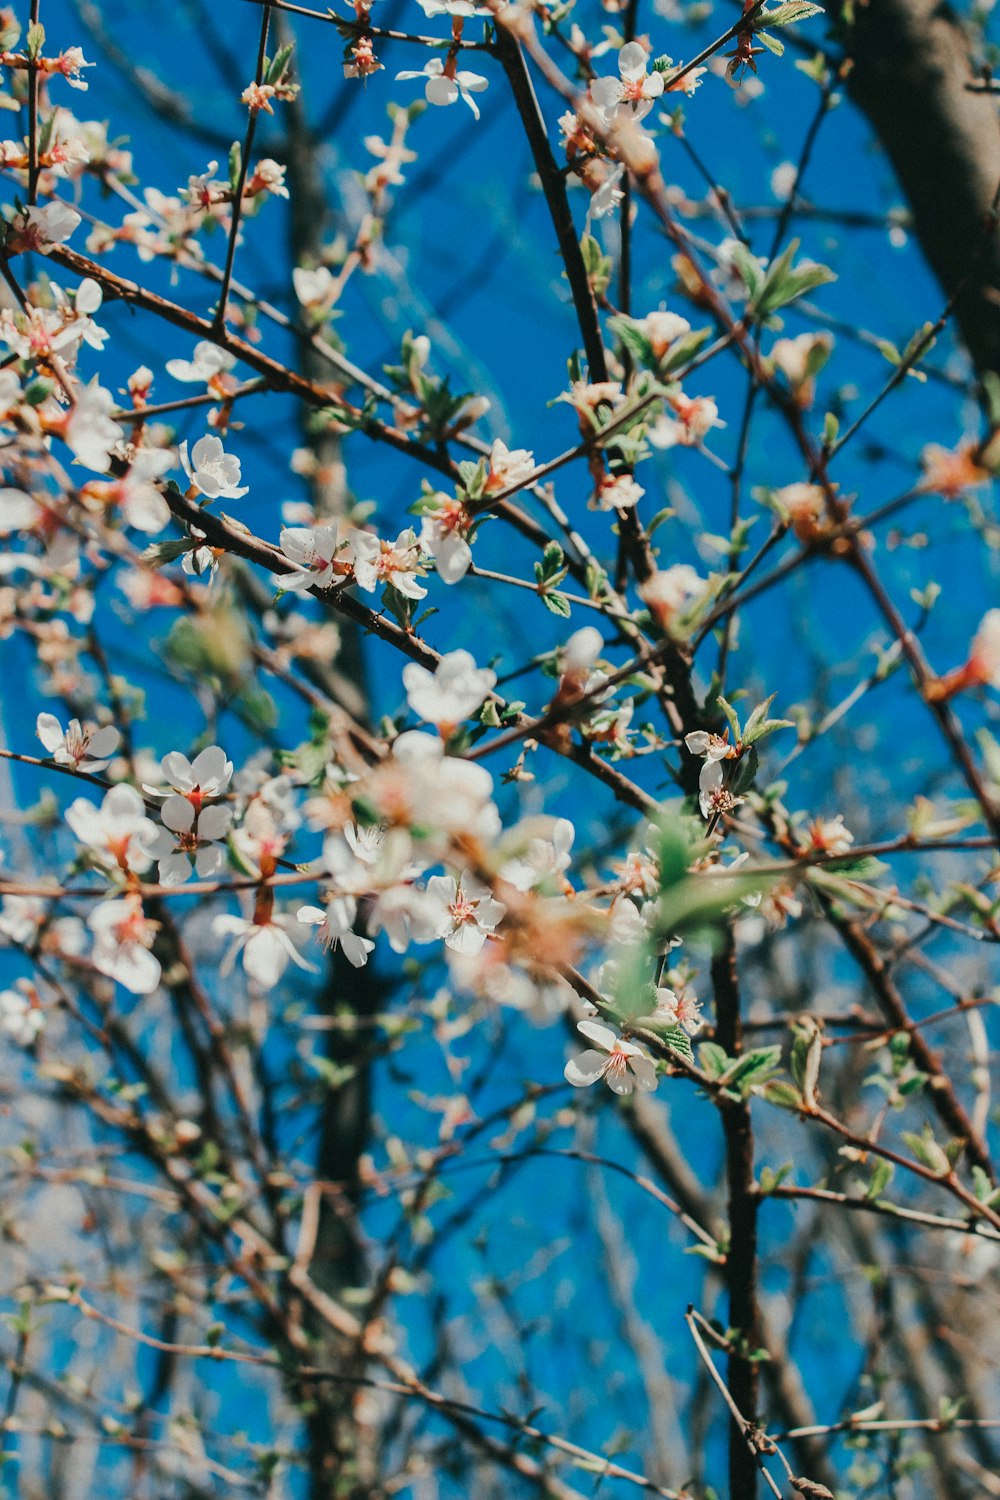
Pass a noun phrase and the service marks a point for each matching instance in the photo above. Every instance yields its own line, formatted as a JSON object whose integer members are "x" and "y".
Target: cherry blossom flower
{"x": 672, "y": 593}
{"x": 714, "y": 797}
{"x": 693, "y": 419}
{"x": 950, "y": 472}
{"x": 69, "y": 64}
{"x": 464, "y": 8}
{"x": 212, "y": 471}
{"x": 711, "y": 746}
{"x": 440, "y": 794}
{"x": 314, "y": 288}
{"x": 449, "y": 694}
{"x": 208, "y": 775}
{"x": 622, "y": 1065}
{"x": 188, "y": 835}
{"x": 509, "y": 468}
{"x": 85, "y": 748}
{"x": 468, "y": 912}
{"x": 671, "y": 1009}
{"x": 117, "y": 832}
{"x": 336, "y": 927}
{"x": 90, "y": 430}
{"x": 616, "y": 492}
{"x": 21, "y": 1017}
{"x": 208, "y": 362}
{"x": 984, "y": 658}
{"x": 830, "y": 835}
{"x": 378, "y": 561}
{"x": 18, "y": 511}
{"x": 444, "y": 87}
{"x": 540, "y": 859}
{"x": 662, "y": 329}
{"x": 444, "y": 537}
{"x": 123, "y": 937}
{"x": 313, "y": 552}
{"x": 41, "y": 226}
{"x": 803, "y": 506}
{"x": 266, "y": 946}
{"x": 632, "y": 94}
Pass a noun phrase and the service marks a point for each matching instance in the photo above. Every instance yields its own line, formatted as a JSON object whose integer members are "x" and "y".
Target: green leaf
{"x": 927, "y": 1151}
{"x": 557, "y": 604}
{"x": 731, "y": 719}
{"x": 235, "y": 165}
{"x": 881, "y": 1175}
{"x": 788, "y": 14}
{"x": 807, "y": 1053}
{"x": 714, "y": 1059}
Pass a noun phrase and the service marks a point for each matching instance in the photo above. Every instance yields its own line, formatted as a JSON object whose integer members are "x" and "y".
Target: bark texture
{"x": 911, "y": 67}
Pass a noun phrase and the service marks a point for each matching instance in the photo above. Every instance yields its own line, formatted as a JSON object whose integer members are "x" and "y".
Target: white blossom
{"x": 265, "y": 947}
{"x": 122, "y": 939}
{"x": 117, "y": 832}
{"x": 20, "y": 1019}
{"x": 631, "y": 94}
{"x": 188, "y": 835}
{"x": 622, "y": 1065}
{"x": 442, "y": 88}
{"x": 208, "y": 362}
{"x": 467, "y": 912}
{"x": 211, "y": 470}
{"x": 449, "y": 694}
{"x": 86, "y": 748}
{"x": 312, "y": 550}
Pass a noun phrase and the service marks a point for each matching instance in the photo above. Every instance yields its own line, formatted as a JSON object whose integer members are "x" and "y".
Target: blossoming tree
{"x": 499, "y": 862}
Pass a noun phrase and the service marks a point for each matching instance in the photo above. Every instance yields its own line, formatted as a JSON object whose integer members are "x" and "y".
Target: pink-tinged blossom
{"x": 123, "y": 937}
{"x": 85, "y": 747}
{"x": 190, "y": 839}
{"x": 118, "y": 832}
{"x": 714, "y": 798}
{"x": 984, "y": 658}
{"x": 468, "y": 913}
{"x": 630, "y": 95}
{"x": 444, "y": 537}
{"x": 672, "y": 593}
{"x": 313, "y": 553}
{"x": 692, "y": 420}
{"x": 622, "y": 1065}
{"x": 449, "y": 694}
{"x": 265, "y": 946}
{"x": 671, "y": 1009}
{"x": 509, "y": 468}
{"x": 212, "y": 471}
{"x": 315, "y": 288}
{"x": 443, "y": 87}
{"x": 378, "y": 561}
{"x": 40, "y": 227}
{"x": 616, "y": 492}
{"x": 662, "y": 329}
{"x": 830, "y": 835}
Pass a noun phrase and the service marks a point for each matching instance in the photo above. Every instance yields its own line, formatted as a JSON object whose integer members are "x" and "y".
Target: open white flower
{"x": 91, "y": 432}
{"x": 622, "y": 1065}
{"x": 449, "y": 694}
{"x": 123, "y": 937}
{"x": 336, "y": 926}
{"x": 468, "y": 912}
{"x": 714, "y": 797}
{"x": 190, "y": 839}
{"x": 208, "y": 362}
{"x": 711, "y": 746}
{"x": 313, "y": 552}
{"x": 20, "y": 1019}
{"x": 211, "y": 470}
{"x": 266, "y": 947}
{"x": 118, "y": 832}
{"x": 444, "y": 535}
{"x": 86, "y": 748}
{"x": 509, "y": 467}
{"x": 43, "y": 225}
{"x": 314, "y": 288}
{"x": 445, "y": 88}
{"x": 208, "y": 775}
{"x": 671, "y": 1009}
{"x": 378, "y": 561}
{"x": 632, "y": 93}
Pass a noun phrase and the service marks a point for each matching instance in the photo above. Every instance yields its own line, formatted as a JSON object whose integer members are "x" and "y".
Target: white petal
{"x": 586, "y": 1068}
